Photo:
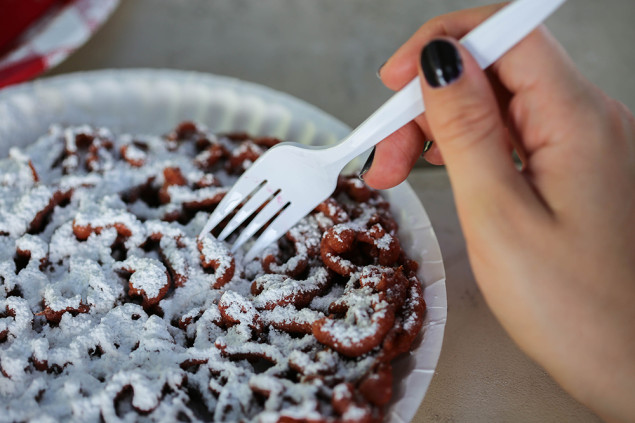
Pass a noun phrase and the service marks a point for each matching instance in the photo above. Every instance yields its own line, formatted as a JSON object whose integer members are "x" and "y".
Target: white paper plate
{"x": 154, "y": 101}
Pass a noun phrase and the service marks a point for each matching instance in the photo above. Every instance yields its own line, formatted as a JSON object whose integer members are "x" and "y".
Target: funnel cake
{"x": 111, "y": 308}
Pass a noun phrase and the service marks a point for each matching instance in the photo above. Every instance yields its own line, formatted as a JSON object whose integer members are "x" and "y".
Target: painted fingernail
{"x": 441, "y": 63}
{"x": 368, "y": 164}
{"x": 379, "y": 70}
{"x": 427, "y": 146}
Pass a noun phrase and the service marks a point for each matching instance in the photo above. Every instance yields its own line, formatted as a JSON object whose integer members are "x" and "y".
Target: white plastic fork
{"x": 291, "y": 179}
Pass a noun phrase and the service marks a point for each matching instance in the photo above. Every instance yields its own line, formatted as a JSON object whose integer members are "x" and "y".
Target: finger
{"x": 394, "y": 157}
{"x": 422, "y": 122}
{"x": 547, "y": 89}
{"x": 434, "y": 156}
{"x": 503, "y": 97}
{"x": 402, "y": 66}
{"x": 464, "y": 118}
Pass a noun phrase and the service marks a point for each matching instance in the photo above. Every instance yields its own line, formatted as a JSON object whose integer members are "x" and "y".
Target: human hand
{"x": 551, "y": 245}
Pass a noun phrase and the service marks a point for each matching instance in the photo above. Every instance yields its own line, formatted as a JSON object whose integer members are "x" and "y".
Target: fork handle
{"x": 487, "y": 43}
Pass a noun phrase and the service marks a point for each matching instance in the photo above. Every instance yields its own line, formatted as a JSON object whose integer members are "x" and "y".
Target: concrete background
{"x": 327, "y": 52}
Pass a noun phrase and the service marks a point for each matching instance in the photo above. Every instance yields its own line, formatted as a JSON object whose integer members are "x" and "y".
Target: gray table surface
{"x": 326, "y": 53}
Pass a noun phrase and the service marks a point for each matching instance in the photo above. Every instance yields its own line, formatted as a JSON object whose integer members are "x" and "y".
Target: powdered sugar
{"x": 108, "y": 313}
{"x": 281, "y": 290}
{"x": 149, "y": 275}
{"x": 218, "y": 252}
{"x": 365, "y": 310}
{"x": 18, "y": 207}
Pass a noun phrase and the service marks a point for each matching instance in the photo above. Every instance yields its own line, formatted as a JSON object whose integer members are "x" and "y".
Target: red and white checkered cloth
{"x": 50, "y": 40}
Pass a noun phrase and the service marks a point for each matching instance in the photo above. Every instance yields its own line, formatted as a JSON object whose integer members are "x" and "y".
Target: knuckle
{"x": 437, "y": 24}
{"x": 468, "y": 123}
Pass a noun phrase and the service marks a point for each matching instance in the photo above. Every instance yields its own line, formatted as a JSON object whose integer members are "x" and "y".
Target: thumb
{"x": 466, "y": 124}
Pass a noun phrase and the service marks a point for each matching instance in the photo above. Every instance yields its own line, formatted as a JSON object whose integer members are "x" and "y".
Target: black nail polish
{"x": 427, "y": 146}
{"x": 379, "y": 70}
{"x": 368, "y": 164}
{"x": 441, "y": 63}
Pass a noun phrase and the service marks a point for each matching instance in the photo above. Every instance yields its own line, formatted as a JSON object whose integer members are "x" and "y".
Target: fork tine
{"x": 241, "y": 189}
{"x": 247, "y": 210}
{"x": 285, "y": 221}
{"x": 260, "y": 220}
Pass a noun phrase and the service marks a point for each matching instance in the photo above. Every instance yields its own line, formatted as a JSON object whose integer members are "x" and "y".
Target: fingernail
{"x": 379, "y": 70}
{"x": 427, "y": 146}
{"x": 441, "y": 63}
{"x": 368, "y": 164}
